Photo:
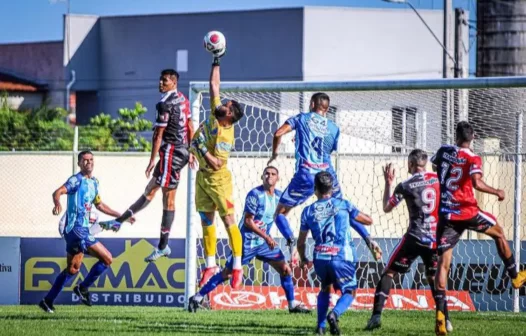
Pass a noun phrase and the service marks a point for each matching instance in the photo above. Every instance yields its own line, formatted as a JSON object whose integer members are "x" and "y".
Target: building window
{"x": 404, "y": 131}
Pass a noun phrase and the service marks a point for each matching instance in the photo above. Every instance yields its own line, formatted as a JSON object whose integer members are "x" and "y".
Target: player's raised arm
{"x": 389, "y": 174}
{"x": 215, "y": 80}
{"x": 276, "y": 141}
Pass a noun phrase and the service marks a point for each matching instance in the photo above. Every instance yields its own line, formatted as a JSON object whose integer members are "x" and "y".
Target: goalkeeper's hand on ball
{"x": 375, "y": 249}
{"x": 217, "y": 55}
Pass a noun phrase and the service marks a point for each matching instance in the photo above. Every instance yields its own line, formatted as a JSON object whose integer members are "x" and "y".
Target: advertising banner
{"x": 9, "y": 270}
{"x": 129, "y": 281}
{"x": 273, "y": 297}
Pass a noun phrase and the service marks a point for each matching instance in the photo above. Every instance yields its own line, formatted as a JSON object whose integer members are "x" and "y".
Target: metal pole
{"x": 517, "y": 205}
{"x": 75, "y": 149}
{"x": 191, "y": 215}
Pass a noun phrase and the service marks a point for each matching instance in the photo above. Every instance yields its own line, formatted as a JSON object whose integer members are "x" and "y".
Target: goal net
{"x": 380, "y": 122}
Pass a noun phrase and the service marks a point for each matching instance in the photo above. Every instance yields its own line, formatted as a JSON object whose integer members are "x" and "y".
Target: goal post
{"x": 380, "y": 122}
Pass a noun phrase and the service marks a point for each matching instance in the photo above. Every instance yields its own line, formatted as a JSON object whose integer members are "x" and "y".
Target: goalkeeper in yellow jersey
{"x": 212, "y": 144}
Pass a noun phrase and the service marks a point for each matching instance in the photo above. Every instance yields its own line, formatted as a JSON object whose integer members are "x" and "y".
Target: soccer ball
{"x": 215, "y": 42}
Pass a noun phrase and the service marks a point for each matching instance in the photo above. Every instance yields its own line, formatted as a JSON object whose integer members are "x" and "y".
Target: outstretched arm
{"x": 215, "y": 79}
{"x": 104, "y": 208}
{"x": 480, "y": 185}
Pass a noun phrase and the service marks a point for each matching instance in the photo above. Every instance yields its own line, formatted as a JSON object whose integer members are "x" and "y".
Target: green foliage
{"x": 46, "y": 128}
{"x": 105, "y": 133}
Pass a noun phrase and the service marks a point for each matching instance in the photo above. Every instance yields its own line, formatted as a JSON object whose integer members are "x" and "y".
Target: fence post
{"x": 75, "y": 149}
{"x": 517, "y": 205}
{"x": 191, "y": 215}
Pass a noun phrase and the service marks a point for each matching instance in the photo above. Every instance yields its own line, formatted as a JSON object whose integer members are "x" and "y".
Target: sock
{"x": 59, "y": 283}
{"x": 236, "y": 243}
{"x": 94, "y": 274}
{"x": 140, "y": 204}
{"x": 382, "y": 293}
{"x": 323, "y": 307}
{"x": 288, "y": 287}
{"x": 166, "y": 226}
{"x": 510, "y": 266}
{"x": 210, "y": 242}
{"x": 343, "y": 304}
{"x": 433, "y": 291}
{"x": 440, "y": 301}
{"x": 211, "y": 284}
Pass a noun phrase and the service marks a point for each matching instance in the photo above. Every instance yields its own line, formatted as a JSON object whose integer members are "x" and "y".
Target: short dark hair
{"x": 170, "y": 72}
{"x": 320, "y": 98}
{"x": 81, "y": 154}
{"x": 323, "y": 182}
{"x": 464, "y": 131}
{"x": 418, "y": 157}
{"x": 237, "y": 111}
{"x": 271, "y": 167}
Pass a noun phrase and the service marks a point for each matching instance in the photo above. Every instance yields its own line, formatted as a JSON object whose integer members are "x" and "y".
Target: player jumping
{"x": 421, "y": 192}
{"x": 255, "y": 226}
{"x": 460, "y": 171}
{"x": 173, "y": 129}
{"x": 82, "y": 191}
{"x": 330, "y": 219}
{"x": 212, "y": 144}
{"x": 315, "y": 139}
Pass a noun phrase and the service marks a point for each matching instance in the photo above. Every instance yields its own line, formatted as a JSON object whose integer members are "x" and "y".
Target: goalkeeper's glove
{"x": 218, "y": 55}
{"x": 375, "y": 249}
{"x": 199, "y": 144}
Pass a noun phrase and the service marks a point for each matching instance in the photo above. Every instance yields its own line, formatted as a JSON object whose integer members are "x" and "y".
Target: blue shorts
{"x": 301, "y": 188}
{"x": 339, "y": 273}
{"x": 262, "y": 252}
{"x": 79, "y": 240}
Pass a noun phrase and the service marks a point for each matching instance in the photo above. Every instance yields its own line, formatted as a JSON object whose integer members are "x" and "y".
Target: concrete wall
{"x": 133, "y": 49}
{"x": 353, "y": 43}
{"x": 122, "y": 181}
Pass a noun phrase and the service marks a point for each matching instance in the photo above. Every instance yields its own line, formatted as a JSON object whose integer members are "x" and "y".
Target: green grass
{"x": 103, "y": 320}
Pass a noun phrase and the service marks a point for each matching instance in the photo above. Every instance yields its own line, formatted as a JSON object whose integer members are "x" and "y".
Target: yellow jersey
{"x": 219, "y": 140}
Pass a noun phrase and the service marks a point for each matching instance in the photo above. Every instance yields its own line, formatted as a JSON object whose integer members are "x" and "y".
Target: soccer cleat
{"x": 83, "y": 294}
{"x": 333, "y": 324}
{"x": 374, "y": 322}
{"x": 193, "y": 304}
{"x": 207, "y": 274}
{"x": 449, "y": 326}
{"x": 47, "y": 306}
{"x": 320, "y": 331}
{"x": 440, "y": 326}
{"x": 519, "y": 280}
{"x": 299, "y": 309}
{"x": 156, "y": 254}
{"x": 110, "y": 225}
{"x": 237, "y": 278}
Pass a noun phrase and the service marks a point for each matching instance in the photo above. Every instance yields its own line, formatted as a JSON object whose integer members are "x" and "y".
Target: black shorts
{"x": 406, "y": 253}
{"x": 449, "y": 232}
{"x": 172, "y": 159}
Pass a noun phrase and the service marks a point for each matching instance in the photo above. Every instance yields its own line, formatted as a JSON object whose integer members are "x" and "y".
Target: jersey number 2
{"x": 454, "y": 176}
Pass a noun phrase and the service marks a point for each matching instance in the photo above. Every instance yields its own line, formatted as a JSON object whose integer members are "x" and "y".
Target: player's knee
{"x": 108, "y": 259}
{"x": 497, "y": 233}
{"x": 73, "y": 269}
{"x": 285, "y": 270}
{"x": 205, "y": 221}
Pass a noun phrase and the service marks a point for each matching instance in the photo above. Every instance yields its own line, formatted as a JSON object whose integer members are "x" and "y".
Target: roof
{"x": 10, "y": 82}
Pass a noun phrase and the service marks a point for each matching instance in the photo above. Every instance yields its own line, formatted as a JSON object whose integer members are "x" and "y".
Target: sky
{"x": 42, "y": 20}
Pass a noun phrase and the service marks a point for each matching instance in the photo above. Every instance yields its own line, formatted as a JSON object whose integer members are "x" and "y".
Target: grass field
{"x": 100, "y": 320}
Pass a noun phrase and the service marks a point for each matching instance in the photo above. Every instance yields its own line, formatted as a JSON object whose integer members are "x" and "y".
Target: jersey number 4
{"x": 317, "y": 145}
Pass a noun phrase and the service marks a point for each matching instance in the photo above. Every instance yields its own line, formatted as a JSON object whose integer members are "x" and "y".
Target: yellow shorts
{"x": 213, "y": 192}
